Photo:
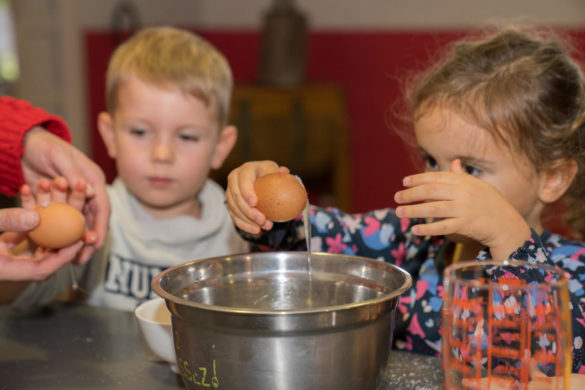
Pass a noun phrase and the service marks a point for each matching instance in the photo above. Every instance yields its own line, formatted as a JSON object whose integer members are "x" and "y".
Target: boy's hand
{"x": 241, "y": 198}
{"x": 462, "y": 204}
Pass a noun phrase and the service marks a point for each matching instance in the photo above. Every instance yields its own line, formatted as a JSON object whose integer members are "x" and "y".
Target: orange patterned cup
{"x": 506, "y": 324}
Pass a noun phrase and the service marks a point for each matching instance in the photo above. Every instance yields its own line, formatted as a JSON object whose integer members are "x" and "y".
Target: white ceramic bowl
{"x": 155, "y": 323}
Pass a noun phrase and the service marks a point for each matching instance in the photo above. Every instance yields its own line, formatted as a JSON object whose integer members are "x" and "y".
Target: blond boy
{"x": 166, "y": 126}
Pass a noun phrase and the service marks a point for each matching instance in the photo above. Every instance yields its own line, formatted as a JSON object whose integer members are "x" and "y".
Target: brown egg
{"x": 281, "y": 196}
{"x": 61, "y": 225}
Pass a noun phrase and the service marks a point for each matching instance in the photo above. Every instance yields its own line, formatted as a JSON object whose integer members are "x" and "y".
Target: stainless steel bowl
{"x": 268, "y": 321}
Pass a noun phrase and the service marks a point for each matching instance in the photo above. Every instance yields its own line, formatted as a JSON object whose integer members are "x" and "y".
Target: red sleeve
{"x": 17, "y": 117}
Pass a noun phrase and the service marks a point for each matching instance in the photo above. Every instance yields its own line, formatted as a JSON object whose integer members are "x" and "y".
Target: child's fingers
{"x": 77, "y": 196}
{"x": 89, "y": 237}
{"x": 456, "y": 166}
{"x": 267, "y": 225}
{"x": 246, "y": 226}
{"x": 425, "y": 192}
{"x": 27, "y": 199}
{"x": 240, "y": 205}
{"x": 43, "y": 192}
{"x": 246, "y": 175}
{"x": 431, "y": 177}
{"x": 59, "y": 189}
{"x": 241, "y": 185}
{"x": 441, "y": 227}
{"x": 236, "y": 205}
{"x": 60, "y": 184}
{"x": 436, "y": 209}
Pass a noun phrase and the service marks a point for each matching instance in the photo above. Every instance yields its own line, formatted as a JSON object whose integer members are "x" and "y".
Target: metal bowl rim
{"x": 322, "y": 309}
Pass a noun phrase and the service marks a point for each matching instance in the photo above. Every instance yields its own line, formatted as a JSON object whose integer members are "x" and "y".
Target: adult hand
{"x": 18, "y": 220}
{"x": 241, "y": 197}
{"x": 461, "y": 204}
{"x": 47, "y": 156}
{"x": 24, "y": 267}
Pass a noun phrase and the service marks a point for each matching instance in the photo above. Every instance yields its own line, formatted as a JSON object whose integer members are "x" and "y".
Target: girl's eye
{"x": 430, "y": 163}
{"x": 471, "y": 170}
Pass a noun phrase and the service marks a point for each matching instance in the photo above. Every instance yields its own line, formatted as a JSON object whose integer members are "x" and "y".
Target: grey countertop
{"x": 84, "y": 347}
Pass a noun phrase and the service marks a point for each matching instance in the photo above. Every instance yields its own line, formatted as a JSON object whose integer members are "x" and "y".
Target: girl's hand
{"x": 241, "y": 198}
{"x": 462, "y": 204}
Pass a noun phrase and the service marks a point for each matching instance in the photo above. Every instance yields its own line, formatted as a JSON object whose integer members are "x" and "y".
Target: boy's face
{"x": 165, "y": 143}
{"x": 443, "y": 136}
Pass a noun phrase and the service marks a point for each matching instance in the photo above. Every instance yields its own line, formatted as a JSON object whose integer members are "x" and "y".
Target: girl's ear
{"x": 557, "y": 180}
{"x": 225, "y": 144}
{"x": 106, "y": 129}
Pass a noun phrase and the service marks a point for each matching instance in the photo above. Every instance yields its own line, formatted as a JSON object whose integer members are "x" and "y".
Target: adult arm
{"x": 18, "y": 118}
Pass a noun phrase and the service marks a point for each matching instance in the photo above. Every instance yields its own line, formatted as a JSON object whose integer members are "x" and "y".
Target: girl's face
{"x": 164, "y": 143}
{"x": 443, "y": 136}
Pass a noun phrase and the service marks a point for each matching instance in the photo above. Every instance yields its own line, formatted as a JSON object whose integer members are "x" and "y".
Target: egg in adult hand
{"x": 281, "y": 196}
{"x": 60, "y": 225}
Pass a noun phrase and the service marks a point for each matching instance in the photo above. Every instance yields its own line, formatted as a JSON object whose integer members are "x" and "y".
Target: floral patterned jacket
{"x": 381, "y": 235}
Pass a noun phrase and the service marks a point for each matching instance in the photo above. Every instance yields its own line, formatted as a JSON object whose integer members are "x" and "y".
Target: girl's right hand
{"x": 459, "y": 204}
{"x": 241, "y": 198}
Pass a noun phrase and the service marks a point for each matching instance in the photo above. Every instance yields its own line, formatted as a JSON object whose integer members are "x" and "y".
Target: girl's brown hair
{"x": 524, "y": 88}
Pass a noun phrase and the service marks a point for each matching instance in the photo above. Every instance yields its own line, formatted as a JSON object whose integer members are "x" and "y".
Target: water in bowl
{"x": 283, "y": 291}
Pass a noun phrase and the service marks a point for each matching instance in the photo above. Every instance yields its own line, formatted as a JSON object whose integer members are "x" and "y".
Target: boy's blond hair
{"x": 163, "y": 55}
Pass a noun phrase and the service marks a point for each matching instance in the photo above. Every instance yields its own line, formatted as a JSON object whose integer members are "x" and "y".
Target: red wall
{"x": 369, "y": 65}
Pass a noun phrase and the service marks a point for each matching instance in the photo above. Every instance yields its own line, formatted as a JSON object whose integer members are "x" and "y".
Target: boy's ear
{"x": 557, "y": 180}
{"x": 225, "y": 144}
{"x": 106, "y": 129}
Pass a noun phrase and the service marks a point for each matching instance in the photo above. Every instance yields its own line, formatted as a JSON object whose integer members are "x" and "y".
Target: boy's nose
{"x": 162, "y": 152}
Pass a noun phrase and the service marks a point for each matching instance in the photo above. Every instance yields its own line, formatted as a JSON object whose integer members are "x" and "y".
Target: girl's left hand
{"x": 461, "y": 204}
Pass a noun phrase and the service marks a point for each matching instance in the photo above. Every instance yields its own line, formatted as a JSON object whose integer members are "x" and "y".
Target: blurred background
{"x": 318, "y": 82}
